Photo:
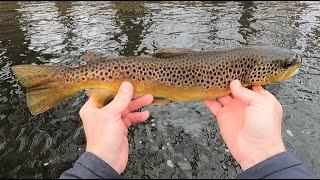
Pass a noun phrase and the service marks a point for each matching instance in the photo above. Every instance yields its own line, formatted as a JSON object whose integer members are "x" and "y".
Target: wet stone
{"x": 289, "y": 132}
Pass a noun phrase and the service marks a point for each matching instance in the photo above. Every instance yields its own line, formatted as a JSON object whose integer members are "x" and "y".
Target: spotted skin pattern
{"x": 207, "y": 70}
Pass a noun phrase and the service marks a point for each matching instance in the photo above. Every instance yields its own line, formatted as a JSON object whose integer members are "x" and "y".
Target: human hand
{"x": 106, "y": 128}
{"x": 250, "y": 123}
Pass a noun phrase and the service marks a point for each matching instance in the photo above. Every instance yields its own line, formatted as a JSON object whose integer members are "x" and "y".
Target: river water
{"x": 180, "y": 140}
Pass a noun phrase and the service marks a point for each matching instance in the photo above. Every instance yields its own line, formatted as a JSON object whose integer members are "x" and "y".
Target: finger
{"x": 90, "y": 105}
{"x": 136, "y": 118}
{"x": 122, "y": 99}
{"x": 214, "y": 106}
{"x": 140, "y": 102}
{"x": 259, "y": 90}
{"x": 225, "y": 99}
{"x": 241, "y": 93}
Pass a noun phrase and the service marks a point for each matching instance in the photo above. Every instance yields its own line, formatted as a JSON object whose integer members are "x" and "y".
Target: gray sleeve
{"x": 280, "y": 166}
{"x": 89, "y": 166}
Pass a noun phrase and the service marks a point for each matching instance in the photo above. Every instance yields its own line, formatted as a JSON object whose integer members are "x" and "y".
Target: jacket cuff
{"x": 270, "y": 166}
{"x": 97, "y": 166}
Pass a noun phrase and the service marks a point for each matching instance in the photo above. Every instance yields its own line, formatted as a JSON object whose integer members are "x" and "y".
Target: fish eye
{"x": 288, "y": 63}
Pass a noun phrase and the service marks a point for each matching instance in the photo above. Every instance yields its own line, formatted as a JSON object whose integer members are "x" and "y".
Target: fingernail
{"x": 236, "y": 83}
{"x": 147, "y": 114}
{"x": 125, "y": 85}
{"x": 151, "y": 98}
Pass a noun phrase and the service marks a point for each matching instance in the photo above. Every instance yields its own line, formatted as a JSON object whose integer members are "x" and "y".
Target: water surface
{"x": 180, "y": 140}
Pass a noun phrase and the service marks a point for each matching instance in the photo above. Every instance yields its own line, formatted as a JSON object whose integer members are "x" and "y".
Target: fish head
{"x": 274, "y": 65}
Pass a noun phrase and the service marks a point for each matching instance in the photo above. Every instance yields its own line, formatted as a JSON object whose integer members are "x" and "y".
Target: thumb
{"x": 241, "y": 93}
{"x": 89, "y": 107}
{"x": 122, "y": 100}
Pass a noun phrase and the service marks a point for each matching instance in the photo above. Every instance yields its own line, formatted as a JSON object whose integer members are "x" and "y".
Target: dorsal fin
{"x": 92, "y": 56}
{"x": 171, "y": 52}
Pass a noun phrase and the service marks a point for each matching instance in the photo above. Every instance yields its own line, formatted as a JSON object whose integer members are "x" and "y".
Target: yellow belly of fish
{"x": 170, "y": 93}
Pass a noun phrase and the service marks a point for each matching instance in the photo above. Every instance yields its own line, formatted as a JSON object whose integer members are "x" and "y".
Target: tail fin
{"x": 42, "y": 91}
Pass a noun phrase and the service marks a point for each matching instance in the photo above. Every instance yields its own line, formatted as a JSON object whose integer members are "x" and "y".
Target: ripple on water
{"x": 181, "y": 140}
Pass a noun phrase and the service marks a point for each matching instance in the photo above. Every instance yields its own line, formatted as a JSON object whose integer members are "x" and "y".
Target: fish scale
{"x": 171, "y": 74}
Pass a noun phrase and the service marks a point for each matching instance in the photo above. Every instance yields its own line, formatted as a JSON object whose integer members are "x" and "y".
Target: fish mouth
{"x": 290, "y": 72}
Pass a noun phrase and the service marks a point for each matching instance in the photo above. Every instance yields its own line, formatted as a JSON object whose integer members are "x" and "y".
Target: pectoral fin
{"x": 101, "y": 96}
{"x": 171, "y": 52}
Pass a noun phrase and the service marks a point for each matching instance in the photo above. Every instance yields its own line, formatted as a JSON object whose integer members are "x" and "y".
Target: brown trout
{"x": 171, "y": 74}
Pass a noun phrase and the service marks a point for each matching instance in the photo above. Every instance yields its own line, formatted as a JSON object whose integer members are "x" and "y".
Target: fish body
{"x": 171, "y": 74}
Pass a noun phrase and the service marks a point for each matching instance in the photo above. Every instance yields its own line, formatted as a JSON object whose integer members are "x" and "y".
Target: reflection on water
{"x": 180, "y": 140}
{"x": 246, "y": 19}
{"x": 132, "y": 20}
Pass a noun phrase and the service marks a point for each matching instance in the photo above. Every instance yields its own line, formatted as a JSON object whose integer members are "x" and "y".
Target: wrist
{"x": 110, "y": 161}
{"x": 261, "y": 155}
